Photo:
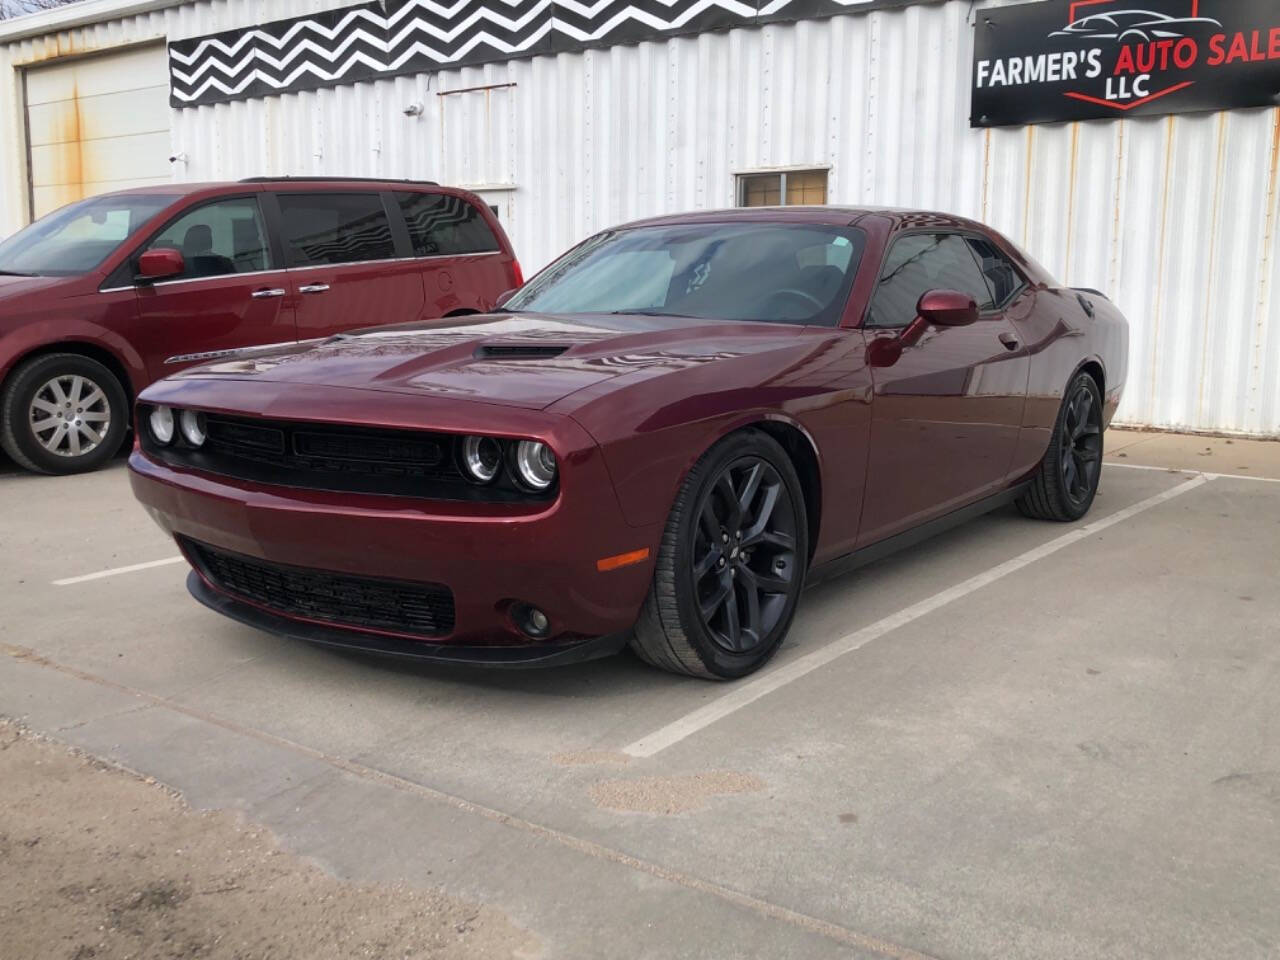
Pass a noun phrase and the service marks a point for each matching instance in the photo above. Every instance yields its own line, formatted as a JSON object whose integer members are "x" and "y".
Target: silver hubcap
{"x": 70, "y": 415}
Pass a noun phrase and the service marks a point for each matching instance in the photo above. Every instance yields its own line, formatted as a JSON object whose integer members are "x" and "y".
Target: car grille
{"x": 338, "y": 458}
{"x": 419, "y": 609}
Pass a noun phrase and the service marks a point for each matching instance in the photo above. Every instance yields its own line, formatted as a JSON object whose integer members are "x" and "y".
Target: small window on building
{"x": 789, "y": 188}
{"x": 331, "y": 228}
{"x": 441, "y": 224}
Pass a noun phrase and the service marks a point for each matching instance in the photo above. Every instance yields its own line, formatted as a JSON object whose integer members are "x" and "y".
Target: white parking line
{"x": 85, "y": 577}
{"x": 752, "y": 690}
{"x": 1198, "y": 473}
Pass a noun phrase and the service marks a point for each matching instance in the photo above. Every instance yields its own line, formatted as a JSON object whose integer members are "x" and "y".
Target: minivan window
{"x": 219, "y": 238}
{"x": 441, "y": 224}
{"x": 78, "y": 237}
{"x": 778, "y": 273}
{"x": 918, "y": 263}
{"x": 333, "y": 228}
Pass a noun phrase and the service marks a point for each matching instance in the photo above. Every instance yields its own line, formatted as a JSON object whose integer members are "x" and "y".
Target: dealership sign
{"x": 1082, "y": 59}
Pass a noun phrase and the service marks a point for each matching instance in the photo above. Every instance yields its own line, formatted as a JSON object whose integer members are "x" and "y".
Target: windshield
{"x": 77, "y": 238}
{"x": 779, "y": 273}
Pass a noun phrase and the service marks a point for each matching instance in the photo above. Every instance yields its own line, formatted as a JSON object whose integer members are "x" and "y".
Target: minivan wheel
{"x": 63, "y": 413}
{"x": 731, "y": 564}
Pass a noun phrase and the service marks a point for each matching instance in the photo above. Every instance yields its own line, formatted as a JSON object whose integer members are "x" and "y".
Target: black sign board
{"x": 1083, "y": 59}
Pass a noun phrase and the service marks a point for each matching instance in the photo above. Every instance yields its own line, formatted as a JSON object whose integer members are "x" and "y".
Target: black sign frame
{"x": 1064, "y": 60}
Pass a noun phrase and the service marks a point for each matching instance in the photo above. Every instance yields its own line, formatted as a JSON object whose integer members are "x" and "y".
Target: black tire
{"x": 53, "y": 450}
{"x": 1067, "y": 481}
{"x": 673, "y": 632}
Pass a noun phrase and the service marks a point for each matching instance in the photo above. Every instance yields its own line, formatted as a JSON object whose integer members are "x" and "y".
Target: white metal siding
{"x": 1175, "y": 218}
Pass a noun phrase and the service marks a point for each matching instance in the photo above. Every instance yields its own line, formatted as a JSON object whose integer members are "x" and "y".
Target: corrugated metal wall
{"x": 1174, "y": 217}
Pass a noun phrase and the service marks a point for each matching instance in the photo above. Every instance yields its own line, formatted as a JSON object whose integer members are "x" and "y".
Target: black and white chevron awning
{"x": 384, "y": 39}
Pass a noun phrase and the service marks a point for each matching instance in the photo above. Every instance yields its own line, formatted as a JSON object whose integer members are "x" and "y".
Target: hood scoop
{"x": 519, "y": 351}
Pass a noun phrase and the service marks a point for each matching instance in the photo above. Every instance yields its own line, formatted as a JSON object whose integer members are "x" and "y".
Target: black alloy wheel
{"x": 744, "y": 554}
{"x": 1067, "y": 481}
{"x": 731, "y": 564}
{"x": 1080, "y": 444}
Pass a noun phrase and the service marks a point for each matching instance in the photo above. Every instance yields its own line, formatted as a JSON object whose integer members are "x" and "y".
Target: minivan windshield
{"x": 78, "y": 237}
{"x": 773, "y": 272}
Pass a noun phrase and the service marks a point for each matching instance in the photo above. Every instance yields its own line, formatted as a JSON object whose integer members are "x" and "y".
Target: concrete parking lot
{"x": 1018, "y": 740}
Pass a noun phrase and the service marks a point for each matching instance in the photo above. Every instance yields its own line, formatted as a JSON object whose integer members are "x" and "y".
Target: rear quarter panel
{"x": 1062, "y": 338}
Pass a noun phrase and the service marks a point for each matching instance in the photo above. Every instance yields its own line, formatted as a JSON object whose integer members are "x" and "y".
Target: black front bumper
{"x": 510, "y": 657}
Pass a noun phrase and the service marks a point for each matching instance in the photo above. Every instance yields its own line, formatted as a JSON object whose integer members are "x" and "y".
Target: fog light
{"x": 193, "y": 427}
{"x": 161, "y": 421}
{"x": 531, "y": 621}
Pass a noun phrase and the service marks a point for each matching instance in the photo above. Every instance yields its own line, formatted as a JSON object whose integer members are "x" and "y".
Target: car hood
{"x": 15, "y": 291}
{"x": 522, "y": 360}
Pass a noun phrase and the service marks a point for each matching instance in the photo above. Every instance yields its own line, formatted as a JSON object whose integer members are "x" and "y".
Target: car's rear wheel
{"x": 62, "y": 413}
{"x": 731, "y": 565}
{"x": 1067, "y": 481}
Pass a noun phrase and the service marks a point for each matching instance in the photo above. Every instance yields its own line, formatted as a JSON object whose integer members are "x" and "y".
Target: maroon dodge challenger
{"x": 656, "y": 442}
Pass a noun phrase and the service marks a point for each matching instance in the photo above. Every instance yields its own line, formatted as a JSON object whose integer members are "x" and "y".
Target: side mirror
{"x": 504, "y": 296}
{"x": 160, "y": 263}
{"x": 935, "y": 308}
{"x": 947, "y": 308}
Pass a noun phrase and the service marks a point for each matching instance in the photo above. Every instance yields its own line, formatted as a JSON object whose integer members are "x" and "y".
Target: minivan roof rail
{"x": 319, "y": 179}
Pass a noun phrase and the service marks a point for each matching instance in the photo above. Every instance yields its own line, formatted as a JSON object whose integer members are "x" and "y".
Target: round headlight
{"x": 481, "y": 458}
{"x": 535, "y": 464}
{"x": 193, "y": 427}
{"x": 161, "y": 421}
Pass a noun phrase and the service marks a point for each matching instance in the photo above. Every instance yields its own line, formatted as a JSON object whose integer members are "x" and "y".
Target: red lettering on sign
{"x": 1124, "y": 62}
{"x": 1239, "y": 50}
{"x": 1219, "y": 53}
{"x": 1186, "y": 52}
{"x": 1273, "y": 50}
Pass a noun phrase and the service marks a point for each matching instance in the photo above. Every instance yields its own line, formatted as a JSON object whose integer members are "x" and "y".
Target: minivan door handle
{"x": 314, "y": 288}
{"x": 268, "y": 293}
{"x": 1009, "y": 340}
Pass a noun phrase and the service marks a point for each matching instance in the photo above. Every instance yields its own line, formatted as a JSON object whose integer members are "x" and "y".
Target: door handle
{"x": 314, "y": 288}
{"x": 1009, "y": 340}
{"x": 268, "y": 293}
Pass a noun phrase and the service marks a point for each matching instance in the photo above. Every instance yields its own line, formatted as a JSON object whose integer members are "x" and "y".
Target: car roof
{"x": 905, "y": 217}
{"x": 186, "y": 189}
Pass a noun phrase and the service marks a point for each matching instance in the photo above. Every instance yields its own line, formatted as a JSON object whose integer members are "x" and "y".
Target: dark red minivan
{"x": 105, "y": 296}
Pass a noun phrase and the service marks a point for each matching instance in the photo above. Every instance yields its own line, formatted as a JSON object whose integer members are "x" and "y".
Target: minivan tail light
{"x": 516, "y": 273}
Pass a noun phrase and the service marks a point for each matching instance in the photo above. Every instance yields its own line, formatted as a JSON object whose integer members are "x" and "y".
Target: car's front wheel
{"x": 731, "y": 565}
{"x": 62, "y": 413}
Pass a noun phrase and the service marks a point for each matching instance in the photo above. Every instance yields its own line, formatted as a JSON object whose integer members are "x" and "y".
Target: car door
{"x": 231, "y": 292}
{"x": 347, "y": 267}
{"x": 946, "y": 409}
{"x": 462, "y": 264}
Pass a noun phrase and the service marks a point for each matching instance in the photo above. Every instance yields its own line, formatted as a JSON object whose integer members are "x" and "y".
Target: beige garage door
{"x": 97, "y": 124}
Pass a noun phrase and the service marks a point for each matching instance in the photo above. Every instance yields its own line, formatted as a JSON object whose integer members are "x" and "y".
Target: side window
{"x": 219, "y": 238}
{"x": 441, "y": 224}
{"x": 333, "y": 228}
{"x": 918, "y": 263}
{"x": 1001, "y": 275}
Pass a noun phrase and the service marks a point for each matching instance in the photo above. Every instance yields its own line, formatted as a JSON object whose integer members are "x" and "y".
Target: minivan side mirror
{"x": 160, "y": 263}
{"x": 504, "y": 296}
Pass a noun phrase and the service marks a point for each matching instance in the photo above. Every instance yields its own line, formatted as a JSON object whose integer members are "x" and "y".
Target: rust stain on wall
{"x": 68, "y": 151}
